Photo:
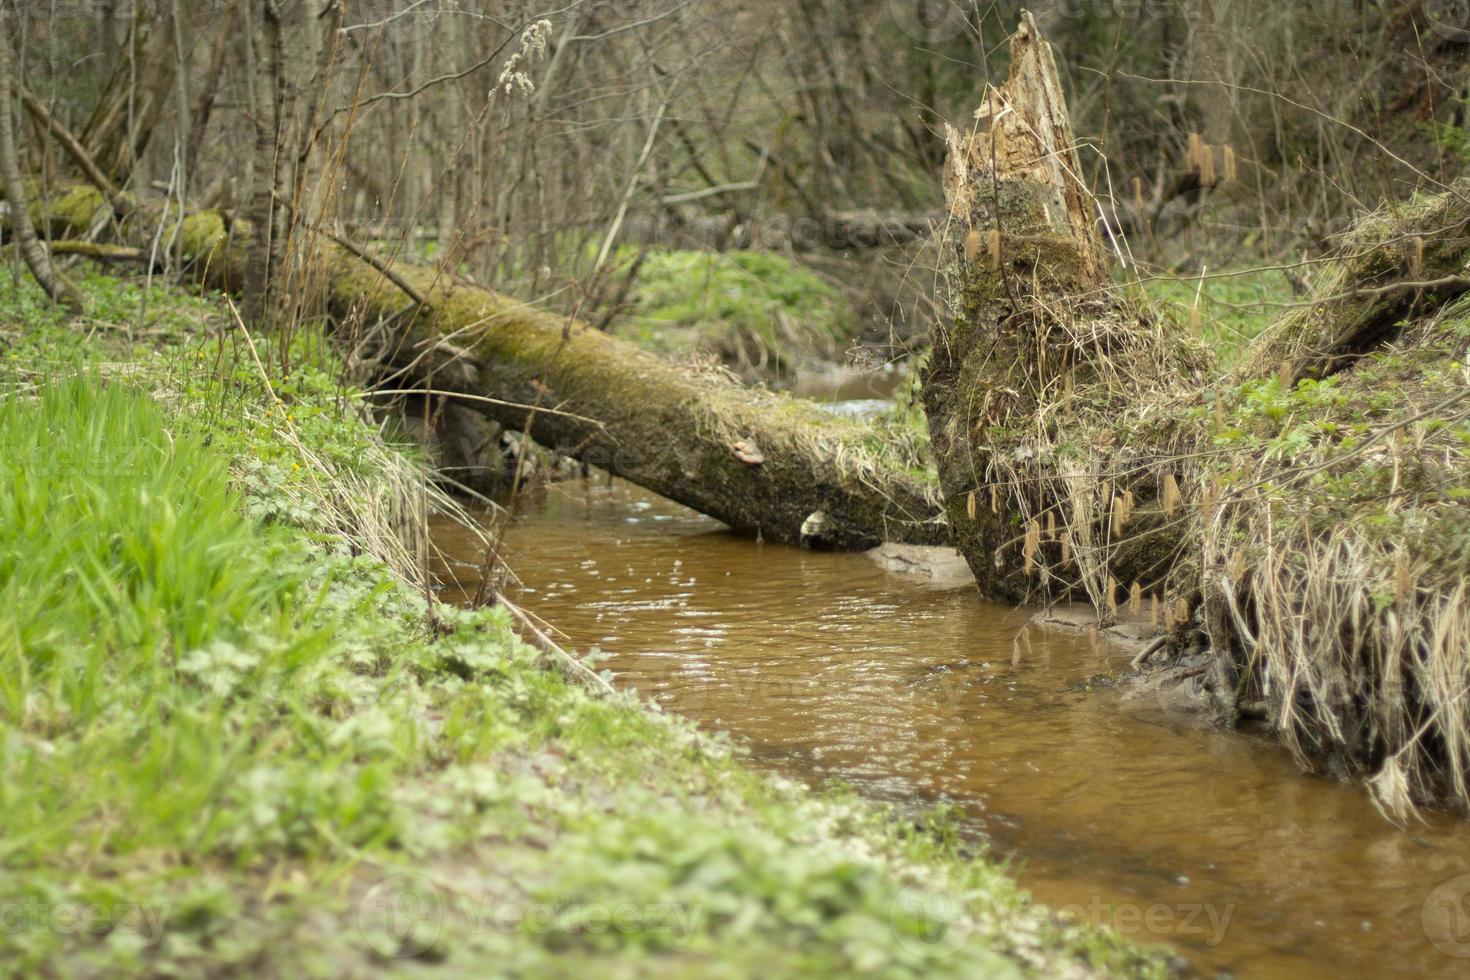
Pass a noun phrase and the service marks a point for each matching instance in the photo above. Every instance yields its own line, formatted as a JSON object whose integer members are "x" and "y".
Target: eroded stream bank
{"x": 828, "y": 666}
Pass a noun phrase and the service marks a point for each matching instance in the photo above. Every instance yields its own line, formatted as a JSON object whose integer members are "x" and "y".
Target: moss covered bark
{"x": 764, "y": 464}
{"x": 1393, "y": 267}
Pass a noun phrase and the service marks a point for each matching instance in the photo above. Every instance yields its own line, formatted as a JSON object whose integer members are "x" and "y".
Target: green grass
{"x": 752, "y": 309}
{"x": 234, "y": 742}
{"x": 1233, "y": 307}
{"x": 134, "y": 593}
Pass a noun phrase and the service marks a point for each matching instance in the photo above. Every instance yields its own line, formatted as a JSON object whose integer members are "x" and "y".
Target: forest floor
{"x": 238, "y": 737}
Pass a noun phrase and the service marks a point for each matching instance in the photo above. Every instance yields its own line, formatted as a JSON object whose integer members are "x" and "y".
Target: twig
{"x": 372, "y": 25}
{"x": 1402, "y": 287}
{"x": 1148, "y": 651}
{"x": 480, "y": 398}
{"x": 690, "y": 196}
{"x": 574, "y": 667}
{"x": 617, "y": 223}
{"x": 386, "y": 268}
{"x": 98, "y": 250}
{"x": 361, "y": 104}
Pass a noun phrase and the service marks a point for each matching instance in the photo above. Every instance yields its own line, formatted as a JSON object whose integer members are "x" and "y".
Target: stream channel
{"x": 831, "y": 666}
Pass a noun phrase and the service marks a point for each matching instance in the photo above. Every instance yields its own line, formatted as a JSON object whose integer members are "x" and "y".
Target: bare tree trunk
{"x": 53, "y": 282}
{"x": 291, "y": 57}
{"x": 263, "y": 263}
{"x": 127, "y": 113}
{"x": 204, "y": 105}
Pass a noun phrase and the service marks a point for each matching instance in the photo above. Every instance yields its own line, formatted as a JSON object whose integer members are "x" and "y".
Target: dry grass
{"x": 1316, "y": 536}
{"x": 1311, "y": 533}
{"x": 1336, "y": 574}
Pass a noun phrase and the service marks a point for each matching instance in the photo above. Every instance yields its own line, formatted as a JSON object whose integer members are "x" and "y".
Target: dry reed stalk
{"x": 1031, "y": 546}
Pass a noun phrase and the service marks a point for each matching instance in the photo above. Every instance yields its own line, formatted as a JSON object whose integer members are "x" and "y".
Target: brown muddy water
{"x": 829, "y": 666}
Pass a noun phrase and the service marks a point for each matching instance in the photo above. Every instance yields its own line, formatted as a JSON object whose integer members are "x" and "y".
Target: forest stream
{"x": 1162, "y": 305}
{"x": 828, "y": 666}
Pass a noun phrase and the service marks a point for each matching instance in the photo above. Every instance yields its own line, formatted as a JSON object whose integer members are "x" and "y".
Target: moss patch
{"x": 760, "y": 313}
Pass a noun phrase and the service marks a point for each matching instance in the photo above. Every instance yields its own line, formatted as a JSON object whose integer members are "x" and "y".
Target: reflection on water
{"x": 826, "y": 665}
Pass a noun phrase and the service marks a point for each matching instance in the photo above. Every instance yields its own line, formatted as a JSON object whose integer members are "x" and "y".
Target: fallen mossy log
{"x": 768, "y": 465}
{"x": 765, "y": 464}
{"x": 1305, "y": 518}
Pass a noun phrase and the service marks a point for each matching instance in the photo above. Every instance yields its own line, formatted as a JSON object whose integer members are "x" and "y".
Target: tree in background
{"x": 37, "y": 259}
